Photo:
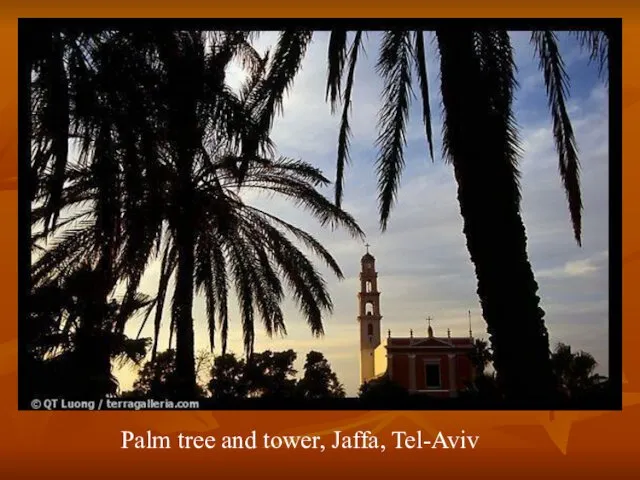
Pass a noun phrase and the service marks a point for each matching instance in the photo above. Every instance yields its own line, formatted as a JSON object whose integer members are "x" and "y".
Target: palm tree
{"x": 240, "y": 246}
{"x": 164, "y": 148}
{"x": 574, "y": 370}
{"x": 209, "y": 230}
{"x": 480, "y": 140}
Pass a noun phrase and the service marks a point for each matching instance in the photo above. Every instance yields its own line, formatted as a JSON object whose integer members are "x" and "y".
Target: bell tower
{"x": 368, "y": 316}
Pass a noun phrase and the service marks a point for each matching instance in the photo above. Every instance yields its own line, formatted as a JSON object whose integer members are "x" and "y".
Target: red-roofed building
{"x": 439, "y": 366}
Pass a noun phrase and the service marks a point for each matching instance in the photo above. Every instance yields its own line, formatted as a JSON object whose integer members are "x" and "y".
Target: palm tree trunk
{"x": 479, "y": 140}
{"x": 183, "y": 311}
{"x": 184, "y": 136}
{"x": 506, "y": 287}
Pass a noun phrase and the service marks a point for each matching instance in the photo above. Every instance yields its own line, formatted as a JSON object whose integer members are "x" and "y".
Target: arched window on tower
{"x": 368, "y": 308}
{"x": 370, "y": 330}
{"x": 368, "y": 286}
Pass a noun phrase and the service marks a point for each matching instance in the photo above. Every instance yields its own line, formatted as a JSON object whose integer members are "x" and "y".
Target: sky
{"x": 422, "y": 261}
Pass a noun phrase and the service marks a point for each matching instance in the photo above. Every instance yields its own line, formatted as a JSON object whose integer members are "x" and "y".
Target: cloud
{"x": 423, "y": 263}
{"x": 577, "y": 268}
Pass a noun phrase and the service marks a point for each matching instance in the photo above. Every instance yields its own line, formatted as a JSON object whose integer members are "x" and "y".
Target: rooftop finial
{"x": 429, "y": 329}
{"x": 470, "y": 332}
{"x": 448, "y": 333}
{"x": 367, "y": 247}
{"x": 411, "y": 333}
{"x": 389, "y": 333}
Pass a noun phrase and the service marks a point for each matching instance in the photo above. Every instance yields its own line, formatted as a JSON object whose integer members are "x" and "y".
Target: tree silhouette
{"x": 71, "y": 339}
{"x": 382, "y": 391}
{"x": 319, "y": 380}
{"x": 228, "y": 378}
{"x": 575, "y": 371}
{"x": 158, "y": 379}
{"x": 204, "y": 363}
{"x": 271, "y": 375}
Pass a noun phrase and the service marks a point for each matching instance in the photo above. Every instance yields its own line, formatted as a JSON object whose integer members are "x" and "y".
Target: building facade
{"x": 438, "y": 366}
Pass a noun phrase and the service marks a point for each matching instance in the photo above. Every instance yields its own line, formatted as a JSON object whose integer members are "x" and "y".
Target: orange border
{"x": 512, "y": 445}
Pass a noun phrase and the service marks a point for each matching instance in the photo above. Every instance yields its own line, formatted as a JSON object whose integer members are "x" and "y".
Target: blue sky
{"x": 422, "y": 260}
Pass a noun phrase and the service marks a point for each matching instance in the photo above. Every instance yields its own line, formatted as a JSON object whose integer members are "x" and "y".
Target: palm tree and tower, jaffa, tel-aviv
{"x": 164, "y": 146}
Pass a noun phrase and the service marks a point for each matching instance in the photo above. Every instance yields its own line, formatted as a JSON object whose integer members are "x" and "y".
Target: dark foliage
{"x": 319, "y": 380}
{"x": 72, "y": 339}
{"x": 382, "y": 391}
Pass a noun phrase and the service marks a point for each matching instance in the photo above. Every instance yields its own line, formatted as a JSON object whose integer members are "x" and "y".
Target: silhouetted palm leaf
{"x": 597, "y": 44}
{"x": 394, "y": 66}
{"x": 557, "y": 84}
{"x": 420, "y": 59}
{"x": 345, "y": 129}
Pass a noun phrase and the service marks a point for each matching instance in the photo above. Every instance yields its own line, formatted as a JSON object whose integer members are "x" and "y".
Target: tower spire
{"x": 368, "y": 316}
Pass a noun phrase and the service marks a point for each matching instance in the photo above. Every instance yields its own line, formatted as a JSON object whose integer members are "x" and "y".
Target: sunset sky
{"x": 422, "y": 260}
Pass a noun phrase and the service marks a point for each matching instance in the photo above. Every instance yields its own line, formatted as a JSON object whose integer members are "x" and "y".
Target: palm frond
{"x": 220, "y": 289}
{"x": 420, "y": 57}
{"x": 307, "y": 285}
{"x": 336, "y": 57}
{"x": 345, "y": 128}
{"x": 395, "y": 69}
{"x": 204, "y": 283}
{"x": 52, "y": 128}
{"x": 267, "y": 287}
{"x": 596, "y": 42}
{"x": 131, "y": 350}
{"x": 241, "y": 268}
{"x": 557, "y": 86}
{"x": 74, "y": 247}
{"x": 169, "y": 262}
{"x": 308, "y": 240}
{"x": 285, "y": 64}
